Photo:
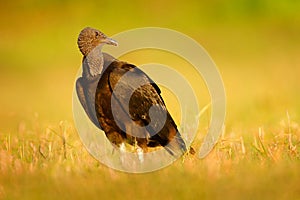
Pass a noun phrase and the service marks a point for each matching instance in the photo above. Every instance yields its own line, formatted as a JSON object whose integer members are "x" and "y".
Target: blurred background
{"x": 255, "y": 44}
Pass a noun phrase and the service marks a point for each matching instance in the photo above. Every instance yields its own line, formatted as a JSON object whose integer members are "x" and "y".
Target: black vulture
{"x": 95, "y": 90}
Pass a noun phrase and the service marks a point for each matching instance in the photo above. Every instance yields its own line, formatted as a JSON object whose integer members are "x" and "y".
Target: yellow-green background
{"x": 255, "y": 44}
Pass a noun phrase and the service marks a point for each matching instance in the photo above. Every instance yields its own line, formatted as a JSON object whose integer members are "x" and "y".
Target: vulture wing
{"x": 86, "y": 95}
{"x": 86, "y": 89}
{"x": 132, "y": 88}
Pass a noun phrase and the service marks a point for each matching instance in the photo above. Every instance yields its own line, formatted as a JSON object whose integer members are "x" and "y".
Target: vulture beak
{"x": 110, "y": 41}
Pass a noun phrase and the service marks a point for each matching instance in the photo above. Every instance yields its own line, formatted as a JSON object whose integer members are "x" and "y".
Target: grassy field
{"x": 256, "y": 46}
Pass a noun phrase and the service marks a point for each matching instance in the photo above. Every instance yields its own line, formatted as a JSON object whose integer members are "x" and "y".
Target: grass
{"x": 56, "y": 164}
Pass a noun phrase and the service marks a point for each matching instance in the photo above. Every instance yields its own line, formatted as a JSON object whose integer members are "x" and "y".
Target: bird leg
{"x": 115, "y": 138}
{"x": 140, "y": 153}
{"x": 139, "y": 143}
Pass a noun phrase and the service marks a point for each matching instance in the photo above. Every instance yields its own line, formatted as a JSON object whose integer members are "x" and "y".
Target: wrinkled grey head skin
{"x": 90, "y": 42}
{"x": 89, "y": 38}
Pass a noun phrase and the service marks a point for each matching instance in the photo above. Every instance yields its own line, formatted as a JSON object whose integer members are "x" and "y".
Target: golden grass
{"x": 39, "y": 162}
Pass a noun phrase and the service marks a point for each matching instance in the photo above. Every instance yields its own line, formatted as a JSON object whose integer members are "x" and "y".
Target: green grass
{"x": 256, "y": 47}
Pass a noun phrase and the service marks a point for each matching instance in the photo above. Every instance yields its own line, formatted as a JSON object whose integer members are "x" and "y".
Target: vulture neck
{"x": 93, "y": 64}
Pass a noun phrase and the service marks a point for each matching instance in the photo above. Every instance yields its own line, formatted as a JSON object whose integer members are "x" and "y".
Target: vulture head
{"x": 90, "y": 38}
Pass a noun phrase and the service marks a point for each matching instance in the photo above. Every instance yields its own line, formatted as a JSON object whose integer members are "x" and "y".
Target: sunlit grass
{"x": 37, "y": 161}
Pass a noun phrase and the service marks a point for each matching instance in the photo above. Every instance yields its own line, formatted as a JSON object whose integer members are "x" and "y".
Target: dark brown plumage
{"x": 95, "y": 89}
